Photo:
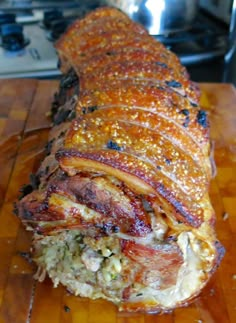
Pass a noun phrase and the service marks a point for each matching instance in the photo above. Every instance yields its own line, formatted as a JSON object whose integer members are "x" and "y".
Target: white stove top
{"x": 38, "y": 59}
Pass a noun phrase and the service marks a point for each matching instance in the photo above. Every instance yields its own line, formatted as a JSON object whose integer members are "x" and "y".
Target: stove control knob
{"x": 51, "y": 15}
{"x": 7, "y": 18}
{"x": 58, "y": 27}
{"x": 12, "y": 37}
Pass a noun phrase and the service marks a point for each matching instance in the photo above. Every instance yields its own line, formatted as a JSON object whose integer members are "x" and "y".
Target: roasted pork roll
{"x": 121, "y": 208}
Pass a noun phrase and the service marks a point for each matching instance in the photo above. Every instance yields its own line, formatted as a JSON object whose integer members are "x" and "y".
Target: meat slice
{"x": 82, "y": 201}
{"x": 159, "y": 265}
{"x": 143, "y": 178}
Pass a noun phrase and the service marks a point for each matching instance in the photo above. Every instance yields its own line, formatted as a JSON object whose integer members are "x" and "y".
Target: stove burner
{"x": 12, "y": 37}
{"x": 7, "y": 18}
{"x": 50, "y": 16}
{"x": 199, "y": 31}
{"x": 204, "y": 41}
{"x": 58, "y": 27}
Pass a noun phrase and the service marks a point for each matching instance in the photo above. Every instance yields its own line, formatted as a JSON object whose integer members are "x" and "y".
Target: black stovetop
{"x": 205, "y": 40}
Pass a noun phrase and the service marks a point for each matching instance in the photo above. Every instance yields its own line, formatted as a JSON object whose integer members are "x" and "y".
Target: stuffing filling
{"x": 97, "y": 267}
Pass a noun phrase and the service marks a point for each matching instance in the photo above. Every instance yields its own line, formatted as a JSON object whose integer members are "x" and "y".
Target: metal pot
{"x": 160, "y": 17}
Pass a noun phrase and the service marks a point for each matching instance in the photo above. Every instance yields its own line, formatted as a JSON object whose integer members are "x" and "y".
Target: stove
{"x": 207, "y": 39}
{"x": 28, "y": 30}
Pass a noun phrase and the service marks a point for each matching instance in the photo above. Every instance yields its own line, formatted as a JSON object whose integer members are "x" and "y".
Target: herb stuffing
{"x": 113, "y": 145}
{"x": 202, "y": 118}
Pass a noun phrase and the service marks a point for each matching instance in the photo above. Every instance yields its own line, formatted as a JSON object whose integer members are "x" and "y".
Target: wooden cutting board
{"x": 23, "y": 106}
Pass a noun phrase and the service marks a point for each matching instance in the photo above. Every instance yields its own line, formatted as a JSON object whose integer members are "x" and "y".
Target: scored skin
{"x": 152, "y": 97}
{"x": 154, "y": 122}
{"x": 170, "y": 161}
{"x": 112, "y": 34}
{"x": 133, "y": 54}
{"x": 137, "y": 69}
{"x": 91, "y": 18}
{"x": 107, "y": 25}
{"x": 101, "y": 26}
{"x": 109, "y": 41}
{"x": 65, "y": 45}
{"x": 128, "y": 41}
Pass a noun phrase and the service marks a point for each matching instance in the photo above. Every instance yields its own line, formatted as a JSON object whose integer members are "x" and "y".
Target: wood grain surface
{"x": 23, "y": 107}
